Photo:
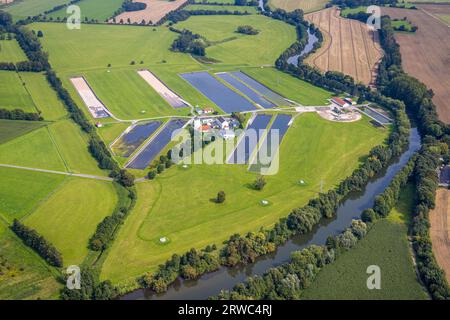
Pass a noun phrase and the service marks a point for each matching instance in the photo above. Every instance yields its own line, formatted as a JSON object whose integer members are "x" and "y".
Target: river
{"x": 312, "y": 39}
{"x": 225, "y": 278}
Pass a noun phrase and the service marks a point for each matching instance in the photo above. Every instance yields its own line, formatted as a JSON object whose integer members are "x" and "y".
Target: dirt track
{"x": 426, "y": 54}
{"x": 440, "y": 229}
{"x": 155, "y": 11}
{"x": 349, "y": 47}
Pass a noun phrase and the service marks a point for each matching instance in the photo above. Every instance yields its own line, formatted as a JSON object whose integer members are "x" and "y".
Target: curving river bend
{"x": 225, "y": 278}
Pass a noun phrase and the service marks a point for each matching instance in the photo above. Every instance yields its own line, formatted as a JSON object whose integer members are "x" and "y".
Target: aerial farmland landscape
{"x": 221, "y": 150}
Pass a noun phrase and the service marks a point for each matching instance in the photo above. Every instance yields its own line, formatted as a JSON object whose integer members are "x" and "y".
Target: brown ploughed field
{"x": 349, "y": 46}
{"x": 426, "y": 53}
{"x": 155, "y": 11}
{"x": 440, "y": 229}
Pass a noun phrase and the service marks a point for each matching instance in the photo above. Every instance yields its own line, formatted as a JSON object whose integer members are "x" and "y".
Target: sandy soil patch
{"x": 155, "y": 11}
{"x": 172, "y": 98}
{"x": 426, "y": 54}
{"x": 349, "y": 46}
{"x": 6, "y": 1}
{"x": 440, "y": 230}
{"x": 94, "y": 105}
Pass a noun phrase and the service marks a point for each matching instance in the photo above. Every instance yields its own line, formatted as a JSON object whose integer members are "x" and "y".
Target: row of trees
{"x": 285, "y": 282}
{"x": 159, "y": 165}
{"x": 181, "y": 15}
{"x": 37, "y": 59}
{"x": 18, "y": 114}
{"x": 426, "y": 184}
{"x": 435, "y": 143}
{"x": 90, "y": 288}
{"x": 189, "y": 266}
{"x": 358, "y": 3}
{"x": 38, "y": 243}
{"x": 106, "y": 229}
{"x": 129, "y": 5}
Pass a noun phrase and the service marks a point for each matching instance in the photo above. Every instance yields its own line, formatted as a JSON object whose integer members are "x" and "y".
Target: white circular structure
{"x": 163, "y": 240}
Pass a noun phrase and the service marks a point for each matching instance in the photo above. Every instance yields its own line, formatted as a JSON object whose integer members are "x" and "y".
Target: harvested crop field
{"x": 349, "y": 47}
{"x": 440, "y": 230}
{"x": 426, "y": 54}
{"x": 155, "y": 11}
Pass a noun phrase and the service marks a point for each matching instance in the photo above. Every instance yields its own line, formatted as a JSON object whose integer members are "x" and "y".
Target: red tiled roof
{"x": 339, "y": 101}
{"x": 205, "y": 127}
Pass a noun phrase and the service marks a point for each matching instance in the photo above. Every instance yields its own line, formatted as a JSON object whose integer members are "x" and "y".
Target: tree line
{"x": 288, "y": 280}
{"x": 190, "y": 265}
{"x": 394, "y": 82}
{"x": 104, "y": 234}
{"x": 38, "y": 243}
{"x": 18, "y": 114}
{"x": 90, "y": 288}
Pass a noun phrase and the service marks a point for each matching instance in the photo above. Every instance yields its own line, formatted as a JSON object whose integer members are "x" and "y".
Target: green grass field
{"x": 21, "y": 9}
{"x": 10, "y": 129}
{"x": 13, "y": 94}
{"x": 128, "y": 96}
{"x": 100, "y": 45}
{"x": 347, "y": 11}
{"x": 10, "y": 51}
{"x": 35, "y": 149}
{"x": 386, "y": 246}
{"x": 21, "y": 191}
{"x": 305, "y": 5}
{"x": 219, "y": 8}
{"x": 71, "y": 214}
{"x": 23, "y": 274}
{"x": 290, "y": 87}
{"x": 43, "y": 96}
{"x": 91, "y": 9}
{"x": 230, "y": 47}
{"x": 167, "y": 207}
{"x": 72, "y": 144}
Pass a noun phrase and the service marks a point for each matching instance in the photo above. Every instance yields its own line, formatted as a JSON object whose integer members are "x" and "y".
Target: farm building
{"x": 340, "y": 102}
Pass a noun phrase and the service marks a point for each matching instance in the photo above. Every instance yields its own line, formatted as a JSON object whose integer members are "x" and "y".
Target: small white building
{"x": 227, "y": 134}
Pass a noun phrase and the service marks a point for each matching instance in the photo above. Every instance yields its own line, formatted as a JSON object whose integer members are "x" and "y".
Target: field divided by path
{"x": 349, "y": 47}
{"x": 426, "y": 54}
